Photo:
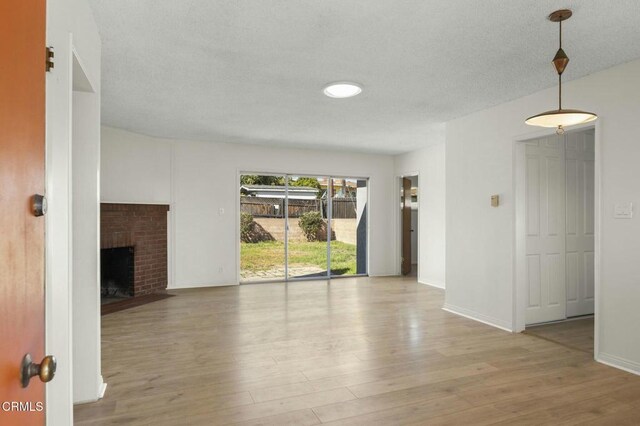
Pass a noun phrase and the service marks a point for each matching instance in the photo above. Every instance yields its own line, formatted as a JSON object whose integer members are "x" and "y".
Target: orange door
{"x": 22, "y": 161}
{"x": 406, "y": 226}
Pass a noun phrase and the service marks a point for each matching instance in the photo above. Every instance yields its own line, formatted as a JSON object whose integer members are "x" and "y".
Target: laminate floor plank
{"x": 576, "y": 333}
{"x": 355, "y": 351}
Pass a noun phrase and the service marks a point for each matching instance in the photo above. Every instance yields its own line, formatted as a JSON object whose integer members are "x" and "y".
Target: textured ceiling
{"x": 252, "y": 71}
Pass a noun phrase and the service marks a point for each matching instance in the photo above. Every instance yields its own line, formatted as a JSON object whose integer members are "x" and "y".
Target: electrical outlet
{"x": 220, "y": 270}
{"x": 220, "y": 211}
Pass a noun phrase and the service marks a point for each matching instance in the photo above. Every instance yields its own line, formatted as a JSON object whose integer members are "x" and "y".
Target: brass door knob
{"x": 45, "y": 370}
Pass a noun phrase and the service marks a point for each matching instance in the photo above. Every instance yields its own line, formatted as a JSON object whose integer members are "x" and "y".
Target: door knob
{"x": 45, "y": 370}
{"x": 39, "y": 205}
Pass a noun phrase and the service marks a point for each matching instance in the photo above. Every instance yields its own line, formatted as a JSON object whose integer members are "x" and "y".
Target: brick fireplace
{"x": 142, "y": 230}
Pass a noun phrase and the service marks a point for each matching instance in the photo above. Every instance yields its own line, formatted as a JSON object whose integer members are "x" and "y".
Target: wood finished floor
{"x": 368, "y": 351}
{"x": 575, "y": 333}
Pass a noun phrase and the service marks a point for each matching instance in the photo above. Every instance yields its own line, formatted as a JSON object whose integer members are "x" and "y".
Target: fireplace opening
{"x": 117, "y": 274}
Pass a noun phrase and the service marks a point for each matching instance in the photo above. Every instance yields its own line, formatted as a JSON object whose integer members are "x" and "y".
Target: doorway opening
{"x": 88, "y": 385}
{"x": 302, "y": 227}
{"x": 555, "y": 237}
{"x": 409, "y": 225}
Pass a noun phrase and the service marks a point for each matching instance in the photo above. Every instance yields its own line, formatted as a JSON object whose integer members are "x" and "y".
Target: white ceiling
{"x": 252, "y": 71}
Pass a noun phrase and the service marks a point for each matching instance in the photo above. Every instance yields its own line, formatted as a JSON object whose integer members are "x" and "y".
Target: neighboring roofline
{"x": 279, "y": 188}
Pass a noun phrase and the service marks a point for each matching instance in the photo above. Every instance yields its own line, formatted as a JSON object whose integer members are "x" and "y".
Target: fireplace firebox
{"x": 117, "y": 273}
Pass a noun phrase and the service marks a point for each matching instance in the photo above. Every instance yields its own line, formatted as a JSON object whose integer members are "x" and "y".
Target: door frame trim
{"x": 519, "y": 290}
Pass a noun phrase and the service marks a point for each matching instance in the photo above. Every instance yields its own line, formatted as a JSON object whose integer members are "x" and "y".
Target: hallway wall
{"x": 429, "y": 164}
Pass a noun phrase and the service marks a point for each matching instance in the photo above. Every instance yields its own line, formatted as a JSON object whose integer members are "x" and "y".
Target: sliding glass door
{"x": 307, "y": 250}
{"x": 296, "y": 227}
{"x": 348, "y": 217}
{"x": 262, "y": 228}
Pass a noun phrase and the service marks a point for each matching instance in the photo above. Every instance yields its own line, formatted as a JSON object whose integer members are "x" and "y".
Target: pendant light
{"x": 561, "y": 118}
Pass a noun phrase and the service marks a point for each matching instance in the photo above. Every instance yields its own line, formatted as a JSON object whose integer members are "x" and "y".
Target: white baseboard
{"x": 432, "y": 284}
{"x": 191, "y": 286}
{"x": 485, "y": 319}
{"x": 86, "y": 401}
{"x": 619, "y": 363}
{"x": 102, "y": 390}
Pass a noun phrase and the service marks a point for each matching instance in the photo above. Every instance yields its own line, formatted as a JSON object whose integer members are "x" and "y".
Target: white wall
{"x": 199, "y": 178}
{"x": 138, "y": 169}
{"x": 429, "y": 164}
{"x": 69, "y": 25}
{"x": 480, "y": 239}
{"x": 87, "y": 379}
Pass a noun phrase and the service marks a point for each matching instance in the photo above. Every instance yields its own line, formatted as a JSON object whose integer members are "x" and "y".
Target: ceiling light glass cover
{"x": 561, "y": 118}
{"x": 342, "y": 90}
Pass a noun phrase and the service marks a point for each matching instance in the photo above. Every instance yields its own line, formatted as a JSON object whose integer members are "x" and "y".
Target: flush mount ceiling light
{"x": 342, "y": 89}
{"x": 560, "y": 118}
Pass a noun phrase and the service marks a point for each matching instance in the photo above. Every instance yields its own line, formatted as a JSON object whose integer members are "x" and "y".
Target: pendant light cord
{"x": 559, "y": 91}
{"x": 560, "y": 37}
{"x": 559, "y": 73}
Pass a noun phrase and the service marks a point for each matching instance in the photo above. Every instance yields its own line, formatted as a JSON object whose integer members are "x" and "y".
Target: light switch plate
{"x": 495, "y": 200}
{"x": 623, "y": 211}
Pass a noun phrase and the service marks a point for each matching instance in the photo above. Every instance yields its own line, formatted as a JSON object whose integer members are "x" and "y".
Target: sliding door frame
{"x": 330, "y": 179}
{"x": 330, "y": 217}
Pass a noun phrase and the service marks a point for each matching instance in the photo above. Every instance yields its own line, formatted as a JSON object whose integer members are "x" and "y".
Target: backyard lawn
{"x": 269, "y": 255}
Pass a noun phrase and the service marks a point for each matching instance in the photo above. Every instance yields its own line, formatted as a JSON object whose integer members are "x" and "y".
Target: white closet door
{"x": 580, "y": 160}
{"x": 545, "y": 230}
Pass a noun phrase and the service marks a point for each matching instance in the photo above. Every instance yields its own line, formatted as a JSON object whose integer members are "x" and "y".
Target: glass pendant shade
{"x": 561, "y": 118}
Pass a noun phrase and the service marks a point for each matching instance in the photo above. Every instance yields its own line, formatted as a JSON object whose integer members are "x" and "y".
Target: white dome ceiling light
{"x": 342, "y": 89}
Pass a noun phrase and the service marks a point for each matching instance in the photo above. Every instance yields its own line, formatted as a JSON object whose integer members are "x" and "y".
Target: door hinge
{"x": 49, "y": 59}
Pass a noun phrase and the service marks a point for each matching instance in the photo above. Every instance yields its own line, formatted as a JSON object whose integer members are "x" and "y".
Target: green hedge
{"x": 311, "y": 224}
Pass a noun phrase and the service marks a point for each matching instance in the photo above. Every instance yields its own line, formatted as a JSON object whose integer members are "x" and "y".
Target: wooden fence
{"x": 343, "y": 208}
